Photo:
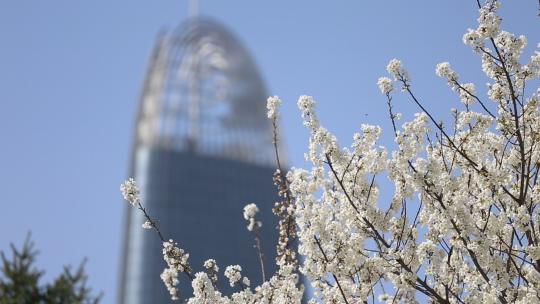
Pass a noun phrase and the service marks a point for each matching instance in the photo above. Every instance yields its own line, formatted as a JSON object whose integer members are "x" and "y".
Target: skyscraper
{"x": 202, "y": 151}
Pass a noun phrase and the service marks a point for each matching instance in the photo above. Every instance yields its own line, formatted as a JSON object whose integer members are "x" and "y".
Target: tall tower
{"x": 202, "y": 150}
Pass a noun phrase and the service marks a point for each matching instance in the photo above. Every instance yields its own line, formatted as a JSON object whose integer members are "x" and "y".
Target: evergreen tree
{"x": 20, "y": 281}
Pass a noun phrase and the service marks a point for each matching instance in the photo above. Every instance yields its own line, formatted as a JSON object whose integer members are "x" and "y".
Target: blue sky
{"x": 71, "y": 74}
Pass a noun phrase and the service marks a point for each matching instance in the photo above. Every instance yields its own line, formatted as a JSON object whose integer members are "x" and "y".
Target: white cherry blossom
{"x": 446, "y": 214}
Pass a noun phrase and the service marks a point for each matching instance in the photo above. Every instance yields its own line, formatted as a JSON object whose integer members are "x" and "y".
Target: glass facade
{"x": 198, "y": 201}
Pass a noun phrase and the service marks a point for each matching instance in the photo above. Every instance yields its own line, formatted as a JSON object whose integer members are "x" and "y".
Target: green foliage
{"x": 20, "y": 281}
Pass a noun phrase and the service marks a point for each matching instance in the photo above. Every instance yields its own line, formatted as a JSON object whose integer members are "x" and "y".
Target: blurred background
{"x": 71, "y": 74}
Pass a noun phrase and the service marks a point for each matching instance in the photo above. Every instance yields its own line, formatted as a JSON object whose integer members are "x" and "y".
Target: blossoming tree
{"x": 463, "y": 225}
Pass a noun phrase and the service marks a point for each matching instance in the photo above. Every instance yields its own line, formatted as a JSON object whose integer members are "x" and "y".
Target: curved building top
{"x": 204, "y": 94}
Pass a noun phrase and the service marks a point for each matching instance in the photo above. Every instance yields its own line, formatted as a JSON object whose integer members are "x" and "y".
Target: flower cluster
{"x": 130, "y": 191}
{"x": 148, "y": 225}
{"x": 212, "y": 270}
{"x": 169, "y": 277}
{"x": 250, "y": 211}
{"x": 211, "y": 264}
{"x": 396, "y": 69}
{"x": 444, "y": 70}
{"x": 177, "y": 262}
{"x": 272, "y": 105}
{"x": 204, "y": 292}
{"x": 385, "y": 85}
{"x": 234, "y": 274}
